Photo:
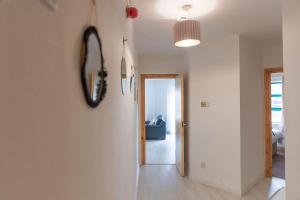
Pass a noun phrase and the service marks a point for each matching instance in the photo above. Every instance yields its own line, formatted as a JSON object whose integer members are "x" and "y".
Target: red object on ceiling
{"x": 131, "y": 12}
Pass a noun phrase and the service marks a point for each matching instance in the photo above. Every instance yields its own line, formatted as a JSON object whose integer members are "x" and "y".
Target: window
{"x": 277, "y": 100}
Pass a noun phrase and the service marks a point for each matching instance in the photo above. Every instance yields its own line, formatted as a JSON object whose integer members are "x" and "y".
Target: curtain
{"x": 160, "y": 100}
{"x": 171, "y": 107}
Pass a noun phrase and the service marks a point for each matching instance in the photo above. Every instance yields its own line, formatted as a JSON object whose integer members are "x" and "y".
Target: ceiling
{"x": 258, "y": 20}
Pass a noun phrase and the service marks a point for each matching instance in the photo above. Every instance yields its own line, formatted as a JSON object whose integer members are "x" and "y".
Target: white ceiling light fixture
{"x": 186, "y": 31}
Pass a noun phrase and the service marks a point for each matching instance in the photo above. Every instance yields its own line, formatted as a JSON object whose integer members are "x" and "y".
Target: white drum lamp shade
{"x": 187, "y": 33}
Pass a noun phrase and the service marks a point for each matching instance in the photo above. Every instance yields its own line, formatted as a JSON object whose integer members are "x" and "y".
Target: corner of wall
{"x": 251, "y": 115}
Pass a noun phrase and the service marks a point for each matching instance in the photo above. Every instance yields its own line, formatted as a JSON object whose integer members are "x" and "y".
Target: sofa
{"x": 156, "y": 129}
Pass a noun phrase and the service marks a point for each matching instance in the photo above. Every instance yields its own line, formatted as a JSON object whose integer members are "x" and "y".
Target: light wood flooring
{"x": 280, "y": 195}
{"x": 162, "y": 182}
{"x": 161, "y": 152}
{"x": 279, "y": 162}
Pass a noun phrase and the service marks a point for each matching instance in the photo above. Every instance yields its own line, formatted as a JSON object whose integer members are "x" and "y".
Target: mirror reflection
{"x": 132, "y": 78}
{"x": 93, "y": 73}
{"x": 93, "y": 67}
{"x": 123, "y": 76}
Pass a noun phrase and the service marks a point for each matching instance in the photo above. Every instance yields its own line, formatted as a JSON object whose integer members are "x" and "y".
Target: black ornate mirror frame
{"x": 102, "y": 85}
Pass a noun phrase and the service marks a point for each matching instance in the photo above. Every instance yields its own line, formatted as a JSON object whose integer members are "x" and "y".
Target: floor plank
{"x": 159, "y": 152}
{"x": 162, "y": 182}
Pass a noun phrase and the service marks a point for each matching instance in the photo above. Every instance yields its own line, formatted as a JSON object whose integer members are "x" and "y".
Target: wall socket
{"x": 203, "y": 165}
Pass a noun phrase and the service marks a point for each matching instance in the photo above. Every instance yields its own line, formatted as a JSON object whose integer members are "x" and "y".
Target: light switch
{"x": 205, "y": 104}
{"x": 203, "y": 165}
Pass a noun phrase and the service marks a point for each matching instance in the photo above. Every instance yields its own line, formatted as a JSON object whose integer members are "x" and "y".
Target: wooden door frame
{"x": 181, "y": 168}
{"x": 143, "y": 110}
{"x": 268, "y": 119}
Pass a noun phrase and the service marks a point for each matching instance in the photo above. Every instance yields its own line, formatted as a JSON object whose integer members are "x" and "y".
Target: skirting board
{"x": 219, "y": 186}
{"x": 251, "y": 185}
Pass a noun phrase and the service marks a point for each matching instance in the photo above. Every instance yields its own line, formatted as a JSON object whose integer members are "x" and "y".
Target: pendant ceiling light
{"x": 186, "y": 31}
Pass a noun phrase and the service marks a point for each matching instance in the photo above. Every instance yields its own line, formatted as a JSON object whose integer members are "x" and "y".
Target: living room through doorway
{"x": 160, "y": 121}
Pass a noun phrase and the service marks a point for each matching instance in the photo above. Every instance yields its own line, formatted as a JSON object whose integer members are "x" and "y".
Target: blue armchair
{"x": 156, "y": 131}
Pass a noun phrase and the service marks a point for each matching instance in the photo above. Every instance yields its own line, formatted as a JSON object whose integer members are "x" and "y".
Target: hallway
{"x": 162, "y": 182}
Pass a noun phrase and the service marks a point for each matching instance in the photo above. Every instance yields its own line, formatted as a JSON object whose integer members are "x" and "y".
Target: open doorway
{"x": 162, "y": 120}
{"x": 274, "y": 123}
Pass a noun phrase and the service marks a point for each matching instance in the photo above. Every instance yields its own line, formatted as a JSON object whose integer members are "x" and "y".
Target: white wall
{"x": 214, "y": 132}
{"x": 291, "y": 49}
{"x": 252, "y": 121}
{"x": 272, "y": 56}
{"x": 161, "y": 64}
{"x": 52, "y": 145}
{"x": 227, "y": 136}
{"x": 160, "y": 100}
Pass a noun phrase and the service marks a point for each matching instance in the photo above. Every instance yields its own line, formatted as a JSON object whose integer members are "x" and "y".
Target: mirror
{"x": 123, "y": 76}
{"x": 135, "y": 92}
{"x": 93, "y": 73}
{"x": 132, "y": 78}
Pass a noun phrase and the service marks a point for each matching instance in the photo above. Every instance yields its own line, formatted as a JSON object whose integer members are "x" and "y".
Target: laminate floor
{"x": 279, "y": 162}
{"x": 280, "y": 195}
{"x": 279, "y": 166}
{"x": 161, "y": 152}
{"x": 162, "y": 182}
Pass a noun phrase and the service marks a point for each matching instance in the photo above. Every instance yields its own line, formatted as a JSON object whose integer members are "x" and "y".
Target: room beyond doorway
{"x": 274, "y": 123}
{"x": 278, "y": 130}
{"x": 160, "y": 121}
